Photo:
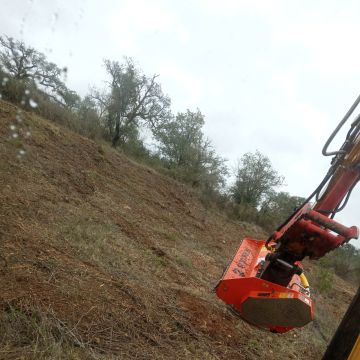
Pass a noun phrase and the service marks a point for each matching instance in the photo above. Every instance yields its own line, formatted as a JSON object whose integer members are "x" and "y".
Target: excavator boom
{"x": 264, "y": 283}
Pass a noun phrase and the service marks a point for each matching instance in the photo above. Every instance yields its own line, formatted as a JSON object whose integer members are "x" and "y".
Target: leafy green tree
{"x": 24, "y": 63}
{"x": 277, "y": 207}
{"x": 17, "y": 59}
{"x": 180, "y": 138}
{"x": 256, "y": 179}
{"x": 133, "y": 99}
{"x": 88, "y": 122}
{"x": 183, "y": 147}
{"x": 70, "y": 98}
{"x": 86, "y": 107}
{"x": 100, "y": 101}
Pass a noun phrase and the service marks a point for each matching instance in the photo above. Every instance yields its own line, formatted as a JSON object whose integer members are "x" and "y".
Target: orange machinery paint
{"x": 260, "y": 302}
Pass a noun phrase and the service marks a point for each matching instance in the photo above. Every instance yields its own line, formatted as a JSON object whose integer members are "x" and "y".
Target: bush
{"x": 32, "y": 99}
{"x": 324, "y": 278}
{"x": 345, "y": 262}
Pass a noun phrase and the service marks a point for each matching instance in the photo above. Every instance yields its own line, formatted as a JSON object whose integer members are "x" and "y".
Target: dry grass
{"x": 32, "y": 333}
{"x": 102, "y": 258}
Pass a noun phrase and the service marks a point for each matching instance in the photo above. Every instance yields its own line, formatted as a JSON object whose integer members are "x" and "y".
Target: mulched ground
{"x": 110, "y": 259}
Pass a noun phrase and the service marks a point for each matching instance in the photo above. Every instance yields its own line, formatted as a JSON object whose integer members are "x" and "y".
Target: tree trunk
{"x": 116, "y": 136}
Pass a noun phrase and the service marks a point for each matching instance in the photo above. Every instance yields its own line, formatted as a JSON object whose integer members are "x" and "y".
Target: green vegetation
{"x": 31, "y": 67}
{"x": 324, "y": 278}
{"x": 344, "y": 262}
{"x": 108, "y": 259}
{"x": 133, "y": 102}
{"x": 183, "y": 148}
{"x": 131, "y": 99}
{"x": 117, "y": 114}
{"x": 255, "y": 180}
{"x": 277, "y": 207}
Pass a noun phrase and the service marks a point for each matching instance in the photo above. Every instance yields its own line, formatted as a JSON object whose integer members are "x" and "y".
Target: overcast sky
{"x": 276, "y": 76}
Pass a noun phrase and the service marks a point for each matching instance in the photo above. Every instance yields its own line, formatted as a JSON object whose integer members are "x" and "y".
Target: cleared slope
{"x": 104, "y": 258}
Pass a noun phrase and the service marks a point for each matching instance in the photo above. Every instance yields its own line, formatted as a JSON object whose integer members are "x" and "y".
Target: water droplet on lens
{"x": 33, "y": 103}
{"x": 12, "y": 127}
{"x": 27, "y": 92}
{"x": 15, "y": 135}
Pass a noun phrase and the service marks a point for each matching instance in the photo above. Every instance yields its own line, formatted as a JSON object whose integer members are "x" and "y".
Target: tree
{"x": 182, "y": 145}
{"x": 277, "y": 207}
{"x": 85, "y": 119}
{"x": 101, "y": 100}
{"x": 180, "y": 138}
{"x": 28, "y": 65}
{"x": 17, "y": 59}
{"x": 213, "y": 168}
{"x": 255, "y": 181}
{"x": 133, "y": 98}
{"x": 70, "y": 98}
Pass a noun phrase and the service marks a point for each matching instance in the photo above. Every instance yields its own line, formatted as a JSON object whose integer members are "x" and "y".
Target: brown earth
{"x": 103, "y": 258}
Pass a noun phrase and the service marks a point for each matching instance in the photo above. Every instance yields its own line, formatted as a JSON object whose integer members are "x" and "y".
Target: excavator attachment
{"x": 261, "y": 302}
{"x": 264, "y": 283}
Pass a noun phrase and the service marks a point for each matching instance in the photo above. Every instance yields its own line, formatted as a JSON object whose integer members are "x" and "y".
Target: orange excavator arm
{"x": 264, "y": 283}
{"x": 311, "y": 230}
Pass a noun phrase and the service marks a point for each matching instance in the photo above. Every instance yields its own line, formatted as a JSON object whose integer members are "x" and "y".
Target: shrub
{"x": 324, "y": 279}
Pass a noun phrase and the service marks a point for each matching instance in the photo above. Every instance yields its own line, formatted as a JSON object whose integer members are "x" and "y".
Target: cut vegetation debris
{"x": 102, "y": 258}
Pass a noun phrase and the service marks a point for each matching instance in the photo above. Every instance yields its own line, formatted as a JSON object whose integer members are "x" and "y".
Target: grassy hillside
{"x": 101, "y": 258}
